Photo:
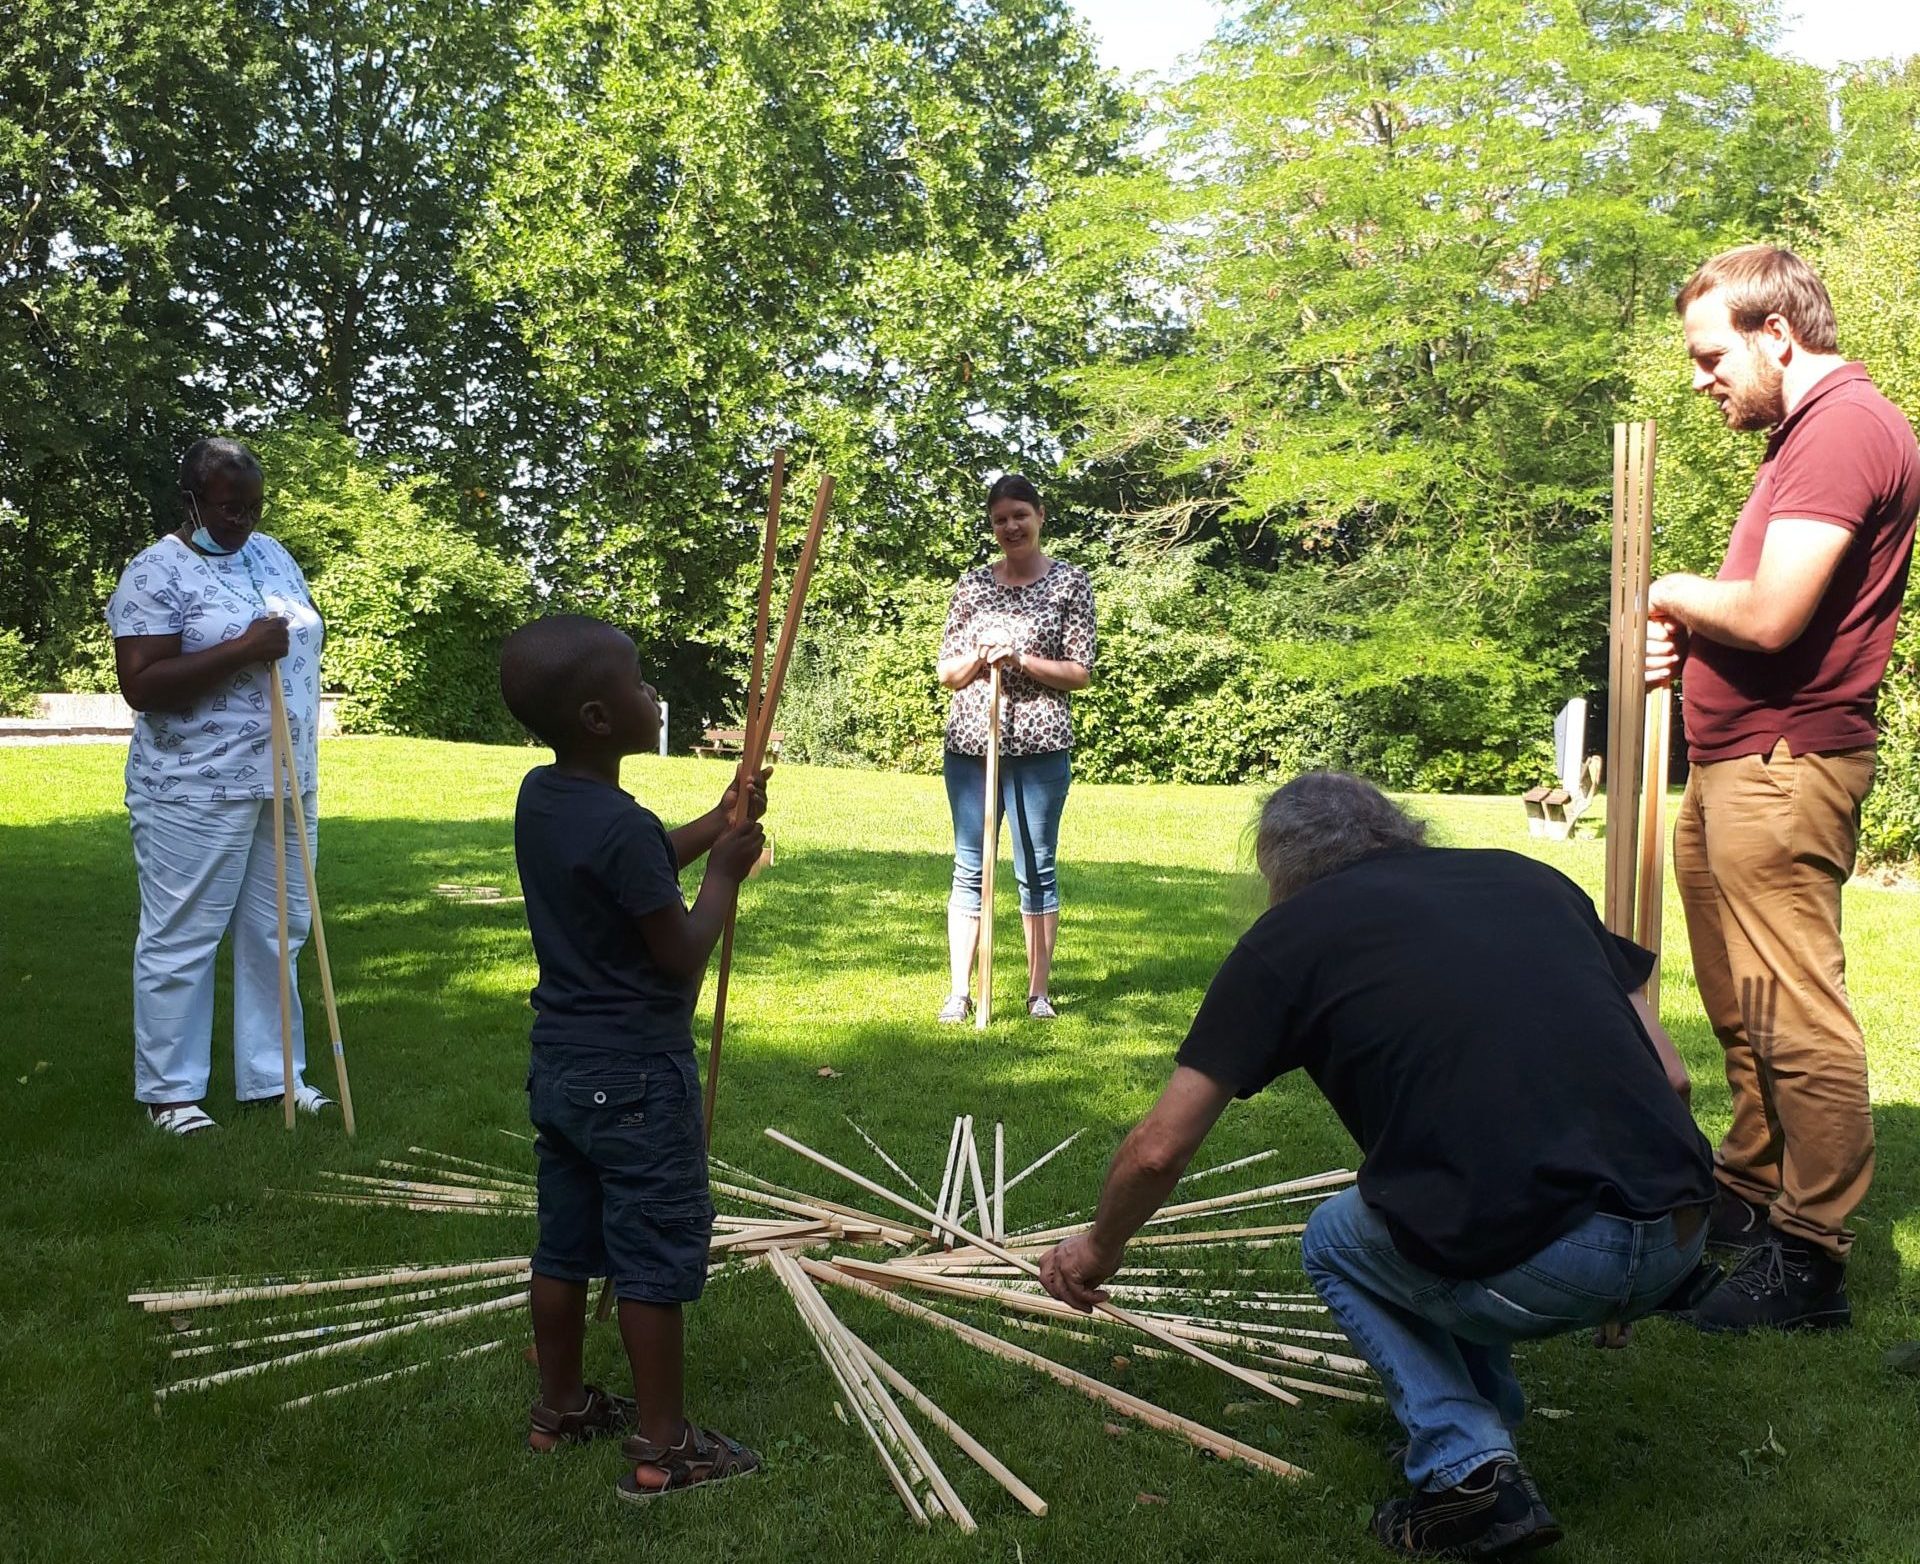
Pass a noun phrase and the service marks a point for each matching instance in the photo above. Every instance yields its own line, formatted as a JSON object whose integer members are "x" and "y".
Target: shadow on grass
{"x": 841, "y": 964}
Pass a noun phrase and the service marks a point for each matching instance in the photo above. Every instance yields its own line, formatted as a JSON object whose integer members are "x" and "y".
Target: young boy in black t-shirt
{"x": 612, "y": 1089}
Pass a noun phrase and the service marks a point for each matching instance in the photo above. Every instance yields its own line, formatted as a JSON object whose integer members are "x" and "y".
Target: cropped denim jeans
{"x": 1443, "y": 1348}
{"x": 1033, "y": 792}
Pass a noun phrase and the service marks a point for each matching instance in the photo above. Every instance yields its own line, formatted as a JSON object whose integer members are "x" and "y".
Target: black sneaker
{"x": 1737, "y": 1223}
{"x": 1495, "y": 1513}
{"x": 1785, "y": 1285}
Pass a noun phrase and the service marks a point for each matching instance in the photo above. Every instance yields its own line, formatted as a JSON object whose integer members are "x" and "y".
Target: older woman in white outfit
{"x": 196, "y": 620}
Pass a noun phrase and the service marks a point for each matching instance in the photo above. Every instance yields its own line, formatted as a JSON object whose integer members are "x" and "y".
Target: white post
{"x": 663, "y": 730}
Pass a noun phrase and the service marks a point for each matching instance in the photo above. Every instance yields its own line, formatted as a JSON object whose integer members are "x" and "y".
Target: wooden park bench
{"x": 1553, "y": 812}
{"x": 731, "y": 743}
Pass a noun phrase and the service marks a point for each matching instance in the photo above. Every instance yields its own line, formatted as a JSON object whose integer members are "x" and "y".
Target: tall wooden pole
{"x": 283, "y": 738}
{"x": 756, "y": 748}
{"x": 743, "y": 779}
{"x": 989, "y": 853}
{"x": 280, "y": 905}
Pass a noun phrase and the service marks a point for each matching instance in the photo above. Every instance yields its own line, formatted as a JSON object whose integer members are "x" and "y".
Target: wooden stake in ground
{"x": 1146, "y": 1327}
{"x": 989, "y": 852}
{"x": 999, "y": 1220}
{"x": 754, "y": 751}
{"x": 1653, "y": 834}
{"x": 283, "y": 732}
{"x": 280, "y": 909}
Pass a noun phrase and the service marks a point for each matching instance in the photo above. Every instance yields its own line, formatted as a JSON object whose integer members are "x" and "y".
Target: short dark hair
{"x": 1761, "y": 280}
{"x": 551, "y": 668}
{"x": 1322, "y": 822}
{"x": 204, "y": 459}
{"x": 1013, "y": 486}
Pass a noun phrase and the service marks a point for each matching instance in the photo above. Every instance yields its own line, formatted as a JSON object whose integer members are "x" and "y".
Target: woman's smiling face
{"x": 1016, "y": 524}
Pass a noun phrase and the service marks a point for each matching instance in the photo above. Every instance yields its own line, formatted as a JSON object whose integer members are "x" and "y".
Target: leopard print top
{"x": 1051, "y": 617}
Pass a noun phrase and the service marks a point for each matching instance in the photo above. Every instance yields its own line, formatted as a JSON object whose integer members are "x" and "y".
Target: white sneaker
{"x": 188, "y": 1120}
{"x": 310, "y": 1099}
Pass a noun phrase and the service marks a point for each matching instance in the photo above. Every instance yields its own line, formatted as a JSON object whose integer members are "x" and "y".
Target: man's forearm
{"x": 1723, "y": 611}
{"x": 1137, "y": 1184}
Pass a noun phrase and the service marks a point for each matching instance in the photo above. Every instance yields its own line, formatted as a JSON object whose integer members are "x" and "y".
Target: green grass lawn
{"x": 841, "y": 963}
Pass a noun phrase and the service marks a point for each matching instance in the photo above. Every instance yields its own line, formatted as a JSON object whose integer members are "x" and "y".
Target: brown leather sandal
{"x": 604, "y": 1414}
{"x": 701, "y": 1456}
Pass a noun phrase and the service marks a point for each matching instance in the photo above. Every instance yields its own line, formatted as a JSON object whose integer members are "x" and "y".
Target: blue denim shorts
{"x": 622, "y": 1171}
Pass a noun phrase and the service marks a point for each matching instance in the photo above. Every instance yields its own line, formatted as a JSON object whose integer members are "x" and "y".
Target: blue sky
{"x": 1150, "y": 35}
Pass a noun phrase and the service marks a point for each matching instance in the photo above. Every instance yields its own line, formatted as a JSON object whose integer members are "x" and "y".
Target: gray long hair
{"x": 1321, "y": 822}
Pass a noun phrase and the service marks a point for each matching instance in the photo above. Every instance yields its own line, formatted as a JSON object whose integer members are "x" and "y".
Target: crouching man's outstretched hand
{"x": 1074, "y": 1269}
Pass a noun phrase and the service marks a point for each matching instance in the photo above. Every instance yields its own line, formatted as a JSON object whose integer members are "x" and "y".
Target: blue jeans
{"x": 1033, "y": 792}
{"x": 1442, "y": 1347}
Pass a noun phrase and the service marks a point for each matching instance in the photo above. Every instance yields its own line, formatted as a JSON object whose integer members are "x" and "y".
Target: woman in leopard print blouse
{"x": 1032, "y": 617}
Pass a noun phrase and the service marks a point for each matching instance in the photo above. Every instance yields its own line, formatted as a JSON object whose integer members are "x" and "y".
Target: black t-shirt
{"x": 592, "y": 864}
{"x": 1466, "y": 1014}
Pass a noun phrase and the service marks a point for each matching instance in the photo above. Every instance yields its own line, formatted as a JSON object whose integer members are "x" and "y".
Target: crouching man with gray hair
{"x": 1529, "y": 1163}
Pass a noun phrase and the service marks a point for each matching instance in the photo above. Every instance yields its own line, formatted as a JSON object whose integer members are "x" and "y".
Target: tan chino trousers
{"x": 1761, "y": 848}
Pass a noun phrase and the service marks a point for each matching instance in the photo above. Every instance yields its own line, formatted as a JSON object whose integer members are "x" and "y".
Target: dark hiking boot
{"x": 1496, "y": 1513}
{"x": 1786, "y": 1285}
{"x": 1737, "y": 1223}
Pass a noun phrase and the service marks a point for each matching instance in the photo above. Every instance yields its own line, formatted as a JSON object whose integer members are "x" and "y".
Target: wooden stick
{"x": 946, "y": 1173}
{"x": 754, "y": 749}
{"x": 982, "y": 1456}
{"x": 779, "y": 1264}
{"x": 814, "y": 1202}
{"x": 374, "y": 1379}
{"x": 467, "y": 1162}
{"x": 1243, "y": 1199}
{"x": 202, "y": 1298}
{"x": 285, "y": 734}
{"x": 1226, "y": 1167}
{"x": 1197, "y": 1434}
{"x": 280, "y": 907}
{"x": 1146, "y": 1327}
{"x": 1040, "y": 1162}
{"x": 881, "y": 1152}
{"x": 514, "y": 1186}
{"x": 980, "y": 1203}
{"x": 364, "y": 1305}
{"x": 1653, "y": 835}
{"x": 989, "y": 855}
{"x": 247, "y": 1371}
{"x": 743, "y": 778}
{"x": 999, "y": 1221}
{"x": 910, "y": 1443}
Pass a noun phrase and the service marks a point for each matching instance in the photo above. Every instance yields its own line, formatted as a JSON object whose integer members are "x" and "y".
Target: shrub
{"x": 17, "y": 683}
{"x": 414, "y": 631}
{"x": 1205, "y": 676}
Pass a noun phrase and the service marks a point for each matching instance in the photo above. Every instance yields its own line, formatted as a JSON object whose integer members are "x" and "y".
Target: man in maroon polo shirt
{"x": 1782, "y": 655}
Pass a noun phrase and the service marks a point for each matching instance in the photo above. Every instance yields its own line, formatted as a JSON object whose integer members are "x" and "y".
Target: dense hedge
{"x": 1204, "y": 676}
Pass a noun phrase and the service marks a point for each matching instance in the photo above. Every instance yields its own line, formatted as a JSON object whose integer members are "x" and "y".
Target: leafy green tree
{"x": 731, "y": 226}
{"x": 115, "y": 121}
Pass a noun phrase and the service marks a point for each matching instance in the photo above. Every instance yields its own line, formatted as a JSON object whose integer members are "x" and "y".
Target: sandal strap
{"x": 702, "y": 1455}
{"x": 604, "y": 1413}
{"x": 189, "y": 1120}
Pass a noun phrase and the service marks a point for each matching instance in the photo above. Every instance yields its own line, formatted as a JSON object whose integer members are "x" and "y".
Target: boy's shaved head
{"x": 552, "y": 667}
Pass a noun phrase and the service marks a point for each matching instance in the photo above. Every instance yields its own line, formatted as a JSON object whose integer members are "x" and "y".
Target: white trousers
{"x": 206, "y": 870}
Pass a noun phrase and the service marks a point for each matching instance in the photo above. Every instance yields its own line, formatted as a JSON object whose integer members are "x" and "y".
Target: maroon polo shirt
{"x": 1848, "y": 456}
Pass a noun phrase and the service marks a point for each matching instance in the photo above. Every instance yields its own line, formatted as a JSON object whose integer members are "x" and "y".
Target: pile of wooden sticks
{"x": 1277, "y": 1343}
{"x": 1185, "y": 1294}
